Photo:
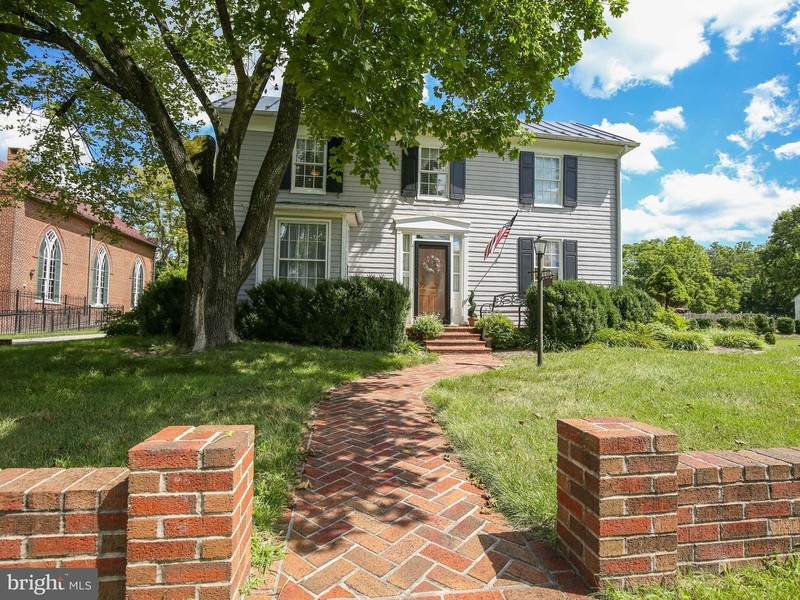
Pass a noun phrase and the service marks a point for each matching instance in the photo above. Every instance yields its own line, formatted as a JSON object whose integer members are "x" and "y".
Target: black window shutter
{"x": 570, "y": 181}
{"x": 525, "y": 264}
{"x": 458, "y": 180}
{"x": 409, "y": 171}
{"x": 570, "y": 248}
{"x": 286, "y": 182}
{"x": 331, "y": 185}
{"x": 526, "y": 175}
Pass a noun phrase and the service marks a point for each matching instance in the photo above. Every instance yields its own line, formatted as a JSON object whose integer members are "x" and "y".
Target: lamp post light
{"x": 539, "y": 247}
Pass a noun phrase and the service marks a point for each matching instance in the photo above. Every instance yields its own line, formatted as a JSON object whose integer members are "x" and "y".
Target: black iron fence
{"x": 25, "y": 312}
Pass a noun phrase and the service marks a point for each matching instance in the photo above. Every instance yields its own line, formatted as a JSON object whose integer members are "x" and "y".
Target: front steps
{"x": 458, "y": 340}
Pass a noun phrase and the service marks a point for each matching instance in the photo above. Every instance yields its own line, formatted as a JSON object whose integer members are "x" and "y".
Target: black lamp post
{"x": 539, "y": 247}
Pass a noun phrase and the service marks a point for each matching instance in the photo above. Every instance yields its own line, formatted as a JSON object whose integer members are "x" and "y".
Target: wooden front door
{"x": 432, "y": 279}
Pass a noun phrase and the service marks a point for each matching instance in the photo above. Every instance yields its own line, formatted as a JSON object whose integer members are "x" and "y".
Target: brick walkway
{"x": 388, "y": 514}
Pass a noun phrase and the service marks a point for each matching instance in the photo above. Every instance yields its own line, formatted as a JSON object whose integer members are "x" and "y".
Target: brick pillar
{"x": 190, "y": 508}
{"x": 617, "y": 500}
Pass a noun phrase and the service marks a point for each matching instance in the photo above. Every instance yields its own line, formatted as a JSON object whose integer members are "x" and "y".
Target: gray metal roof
{"x": 546, "y": 129}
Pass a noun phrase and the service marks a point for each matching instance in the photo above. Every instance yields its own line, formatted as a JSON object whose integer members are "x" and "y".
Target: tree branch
{"x": 191, "y": 79}
{"x": 233, "y": 46}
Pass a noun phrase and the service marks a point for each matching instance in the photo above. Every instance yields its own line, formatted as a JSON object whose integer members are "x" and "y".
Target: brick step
{"x": 459, "y": 335}
{"x": 460, "y": 349}
{"x": 461, "y": 329}
{"x": 446, "y": 342}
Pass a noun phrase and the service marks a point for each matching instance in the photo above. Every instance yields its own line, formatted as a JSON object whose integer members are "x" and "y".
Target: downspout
{"x": 619, "y": 213}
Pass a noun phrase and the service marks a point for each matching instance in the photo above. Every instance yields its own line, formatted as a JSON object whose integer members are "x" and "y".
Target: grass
{"x": 778, "y": 581}
{"x": 503, "y": 422}
{"x": 86, "y": 403}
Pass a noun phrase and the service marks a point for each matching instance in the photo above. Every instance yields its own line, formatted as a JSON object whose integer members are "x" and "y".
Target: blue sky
{"x": 710, "y": 89}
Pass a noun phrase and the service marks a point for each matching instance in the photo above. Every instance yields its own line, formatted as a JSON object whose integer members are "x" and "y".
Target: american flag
{"x": 501, "y": 234}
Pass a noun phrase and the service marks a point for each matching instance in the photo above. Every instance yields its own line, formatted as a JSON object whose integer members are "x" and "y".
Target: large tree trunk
{"x": 212, "y": 284}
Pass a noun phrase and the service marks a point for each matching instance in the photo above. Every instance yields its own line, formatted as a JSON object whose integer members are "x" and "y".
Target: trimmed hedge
{"x": 573, "y": 311}
{"x": 160, "y": 307}
{"x": 785, "y": 325}
{"x": 367, "y": 313}
{"x": 634, "y": 304}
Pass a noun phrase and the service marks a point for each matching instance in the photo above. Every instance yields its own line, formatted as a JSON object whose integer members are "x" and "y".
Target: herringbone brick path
{"x": 387, "y": 513}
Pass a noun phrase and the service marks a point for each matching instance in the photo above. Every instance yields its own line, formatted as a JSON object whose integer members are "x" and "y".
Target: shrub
{"x": 725, "y": 322}
{"x": 368, "y": 313}
{"x": 500, "y": 330}
{"x": 573, "y": 311}
{"x": 122, "y": 324}
{"x": 160, "y": 307}
{"x": 614, "y": 338}
{"x": 427, "y": 327}
{"x": 764, "y": 324}
{"x": 797, "y": 325}
{"x": 687, "y": 340}
{"x": 671, "y": 319}
{"x": 658, "y": 331}
{"x": 704, "y": 323}
{"x": 737, "y": 338}
{"x": 769, "y": 337}
{"x": 634, "y": 304}
{"x": 411, "y": 347}
{"x": 282, "y": 309}
{"x": 785, "y": 325}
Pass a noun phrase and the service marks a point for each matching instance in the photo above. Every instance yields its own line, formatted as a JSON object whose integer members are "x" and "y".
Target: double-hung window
{"x": 308, "y": 170}
{"x": 302, "y": 253}
{"x": 433, "y": 173}
{"x": 547, "y": 181}
{"x": 551, "y": 261}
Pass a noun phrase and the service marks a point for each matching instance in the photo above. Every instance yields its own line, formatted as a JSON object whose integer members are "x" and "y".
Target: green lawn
{"x": 503, "y": 422}
{"x": 86, "y": 403}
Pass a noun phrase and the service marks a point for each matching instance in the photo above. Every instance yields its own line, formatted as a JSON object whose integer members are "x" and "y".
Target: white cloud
{"x": 11, "y": 135}
{"x": 792, "y": 29}
{"x": 733, "y": 202}
{"x": 641, "y": 160}
{"x": 790, "y": 150}
{"x": 771, "y": 110}
{"x": 654, "y": 40}
{"x": 670, "y": 117}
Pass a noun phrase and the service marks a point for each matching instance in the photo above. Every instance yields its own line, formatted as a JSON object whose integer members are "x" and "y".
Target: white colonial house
{"x": 429, "y": 222}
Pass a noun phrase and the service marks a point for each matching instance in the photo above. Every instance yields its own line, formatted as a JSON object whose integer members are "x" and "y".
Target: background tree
{"x": 728, "y": 295}
{"x": 155, "y": 210}
{"x": 781, "y": 257}
{"x": 666, "y": 287}
{"x": 120, "y": 82}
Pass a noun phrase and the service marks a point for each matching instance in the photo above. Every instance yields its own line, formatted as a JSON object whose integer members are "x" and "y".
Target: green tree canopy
{"x": 121, "y": 83}
{"x": 781, "y": 256}
{"x": 666, "y": 287}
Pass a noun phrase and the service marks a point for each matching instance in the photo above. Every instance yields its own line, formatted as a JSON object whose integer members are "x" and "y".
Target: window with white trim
{"x": 551, "y": 261}
{"x": 308, "y": 166}
{"x": 547, "y": 181}
{"x": 303, "y": 252}
{"x": 100, "y": 277}
{"x": 137, "y": 281}
{"x": 433, "y": 173}
{"x": 48, "y": 281}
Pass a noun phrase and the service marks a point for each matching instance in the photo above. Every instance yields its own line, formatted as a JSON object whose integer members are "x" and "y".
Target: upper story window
{"x": 48, "y": 281}
{"x": 100, "y": 277}
{"x": 137, "y": 281}
{"x": 308, "y": 166}
{"x": 547, "y": 181}
{"x": 302, "y": 253}
{"x": 433, "y": 173}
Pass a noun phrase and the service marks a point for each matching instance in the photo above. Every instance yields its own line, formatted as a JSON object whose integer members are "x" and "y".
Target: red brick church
{"x": 70, "y": 260}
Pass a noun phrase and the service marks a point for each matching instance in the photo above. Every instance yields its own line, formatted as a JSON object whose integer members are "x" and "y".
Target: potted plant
{"x": 471, "y": 310}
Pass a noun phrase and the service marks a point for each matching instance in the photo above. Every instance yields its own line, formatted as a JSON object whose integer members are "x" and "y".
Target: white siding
{"x": 491, "y": 199}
